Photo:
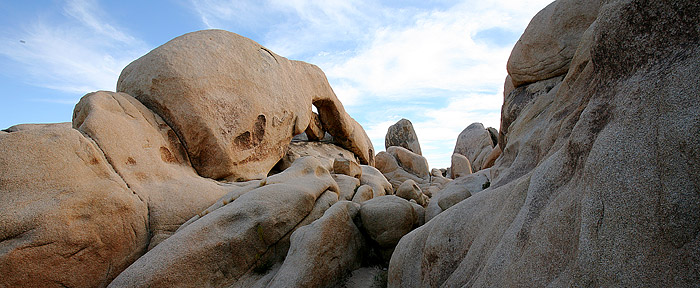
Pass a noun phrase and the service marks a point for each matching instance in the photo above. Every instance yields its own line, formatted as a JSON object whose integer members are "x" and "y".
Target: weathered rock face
{"x": 314, "y": 132}
{"x": 347, "y": 185}
{"x": 247, "y": 231}
{"x": 548, "y": 44}
{"x": 610, "y": 195}
{"x": 324, "y": 251}
{"x": 67, "y": 218}
{"x": 324, "y": 152}
{"x": 147, "y": 154}
{"x": 386, "y": 219}
{"x": 234, "y": 104}
{"x": 347, "y": 167}
{"x": 364, "y": 193}
{"x": 373, "y": 177}
{"x": 415, "y": 170}
{"x": 409, "y": 190}
{"x": 411, "y": 162}
{"x": 474, "y": 142}
{"x": 402, "y": 134}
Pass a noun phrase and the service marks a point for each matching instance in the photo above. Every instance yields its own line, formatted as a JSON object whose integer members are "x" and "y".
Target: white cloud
{"x": 79, "y": 56}
{"x": 442, "y": 68}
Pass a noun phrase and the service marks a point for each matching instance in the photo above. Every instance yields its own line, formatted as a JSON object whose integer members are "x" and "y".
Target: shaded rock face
{"x": 474, "y": 142}
{"x": 324, "y": 251}
{"x": 597, "y": 184}
{"x": 324, "y": 152}
{"x": 234, "y": 104}
{"x": 402, "y": 134}
{"x": 386, "y": 219}
{"x": 67, "y": 218}
{"x": 248, "y": 230}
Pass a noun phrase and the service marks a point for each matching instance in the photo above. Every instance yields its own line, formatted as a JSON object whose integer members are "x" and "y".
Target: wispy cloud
{"x": 81, "y": 53}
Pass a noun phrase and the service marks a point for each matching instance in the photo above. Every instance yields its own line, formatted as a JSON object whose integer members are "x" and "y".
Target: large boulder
{"x": 460, "y": 166}
{"x": 409, "y": 190}
{"x": 67, "y": 218}
{"x": 323, "y": 252}
{"x": 364, "y": 193}
{"x": 243, "y": 235}
{"x": 474, "y": 142}
{"x": 373, "y": 177}
{"x": 548, "y": 44}
{"x": 402, "y": 134}
{"x": 347, "y": 185}
{"x": 147, "y": 154}
{"x": 234, "y": 104}
{"x": 386, "y": 219}
{"x": 410, "y": 162}
{"x": 610, "y": 195}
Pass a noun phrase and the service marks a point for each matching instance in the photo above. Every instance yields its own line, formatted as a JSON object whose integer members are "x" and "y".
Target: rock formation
{"x": 592, "y": 179}
{"x": 85, "y": 200}
{"x": 402, "y": 134}
{"x": 475, "y": 143}
{"x": 597, "y": 181}
{"x": 235, "y": 121}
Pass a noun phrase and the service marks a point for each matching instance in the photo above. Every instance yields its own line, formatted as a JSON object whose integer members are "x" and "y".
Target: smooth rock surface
{"x": 347, "y": 185}
{"x": 147, "y": 154}
{"x": 387, "y": 218}
{"x": 409, "y": 190}
{"x": 460, "y": 166}
{"x": 373, "y": 177}
{"x": 347, "y": 167}
{"x": 67, "y": 218}
{"x": 234, "y": 104}
{"x": 410, "y": 162}
{"x": 364, "y": 193}
{"x": 550, "y": 40}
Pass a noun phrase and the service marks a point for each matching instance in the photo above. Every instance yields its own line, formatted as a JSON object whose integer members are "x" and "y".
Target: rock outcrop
{"x": 402, "y": 134}
{"x": 147, "y": 154}
{"x": 549, "y": 43}
{"x": 597, "y": 181}
{"x": 386, "y": 219}
{"x": 67, "y": 218}
{"x": 247, "y": 233}
{"x": 236, "y": 105}
{"x": 474, "y": 142}
{"x": 85, "y": 200}
{"x": 324, "y": 251}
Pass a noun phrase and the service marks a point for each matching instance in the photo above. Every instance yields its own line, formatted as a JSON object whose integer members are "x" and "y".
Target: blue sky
{"x": 438, "y": 63}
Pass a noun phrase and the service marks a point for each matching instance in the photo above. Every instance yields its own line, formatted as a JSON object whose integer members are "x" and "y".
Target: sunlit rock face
{"x": 234, "y": 104}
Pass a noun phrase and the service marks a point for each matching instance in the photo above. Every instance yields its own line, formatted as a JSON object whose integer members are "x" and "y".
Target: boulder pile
{"x": 209, "y": 168}
{"x": 597, "y": 183}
